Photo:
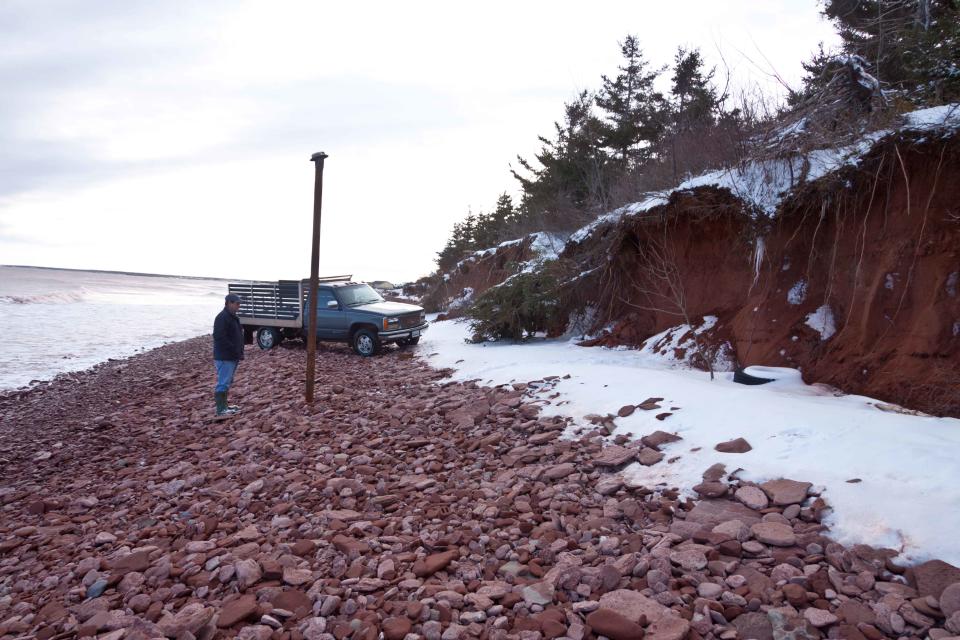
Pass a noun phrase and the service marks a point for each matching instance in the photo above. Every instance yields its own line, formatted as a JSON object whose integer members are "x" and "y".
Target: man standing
{"x": 227, "y": 351}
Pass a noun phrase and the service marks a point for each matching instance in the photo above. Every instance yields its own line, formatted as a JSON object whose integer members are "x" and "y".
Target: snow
{"x": 545, "y": 246}
{"x": 797, "y": 293}
{"x": 822, "y": 322}
{"x": 766, "y": 183}
{"x": 665, "y": 345}
{"x": 465, "y": 298}
{"x": 651, "y": 201}
{"x": 909, "y": 496}
{"x": 944, "y": 117}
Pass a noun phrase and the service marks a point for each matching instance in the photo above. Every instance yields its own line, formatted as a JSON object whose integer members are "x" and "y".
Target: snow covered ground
{"x": 908, "y": 496}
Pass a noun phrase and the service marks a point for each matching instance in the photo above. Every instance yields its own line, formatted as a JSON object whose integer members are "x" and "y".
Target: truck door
{"x": 332, "y": 323}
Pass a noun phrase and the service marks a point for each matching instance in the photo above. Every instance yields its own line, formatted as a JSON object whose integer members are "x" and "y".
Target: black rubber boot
{"x": 221, "y": 398}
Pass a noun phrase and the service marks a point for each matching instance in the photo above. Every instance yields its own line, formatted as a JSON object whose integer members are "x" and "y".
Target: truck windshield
{"x": 360, "y": 294}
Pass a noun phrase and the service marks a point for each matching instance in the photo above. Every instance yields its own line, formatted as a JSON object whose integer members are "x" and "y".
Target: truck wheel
{"x": 408, "y": 342}
{"x": 267, "y": 338}
{"x": 366, "y": 343}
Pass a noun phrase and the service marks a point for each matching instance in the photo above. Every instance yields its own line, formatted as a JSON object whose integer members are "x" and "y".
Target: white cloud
{"x": 192, "y": 124}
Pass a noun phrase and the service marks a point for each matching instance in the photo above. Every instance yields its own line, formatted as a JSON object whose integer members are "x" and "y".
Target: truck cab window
{"x": 323, "y": 297}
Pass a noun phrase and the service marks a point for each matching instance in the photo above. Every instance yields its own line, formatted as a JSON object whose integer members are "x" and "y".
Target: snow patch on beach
{"x": 906, "y": 463}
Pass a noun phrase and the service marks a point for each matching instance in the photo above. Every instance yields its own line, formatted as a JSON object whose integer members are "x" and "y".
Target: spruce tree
{"x": 635, "y": 111}
{"x": 575, "y": 170}
{"x": 912, "y": 46}
{"x": 693, "y": 97}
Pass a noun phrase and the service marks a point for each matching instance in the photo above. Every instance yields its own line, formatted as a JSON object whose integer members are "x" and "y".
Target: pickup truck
{"x": 351, "y": 312}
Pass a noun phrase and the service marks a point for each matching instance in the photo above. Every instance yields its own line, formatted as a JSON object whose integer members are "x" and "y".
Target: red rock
{"x": 649, "y": 457}
{"x": 755, "y": 626}
{"x": 795, "y": 594}
{"x": 668, "y": 628}
{"x": 774, "y": 533}
{"x": 658, "y": 438}
{"x": 784, "y": 492}
{"x": 711, "y": 489}
{"x": 139, "y": 561}
{"x": 633, "y": 605}
{"x": 396, "y": 628}
{"x": 609, "y": 623}
{"x": 738, "y": 445}
{"x": 434, "y": 562}
{"x": 293, "y": 600}
{"x": 932, "y": 577}
{"x": 303, "y": 548}
{"x": 614, "y": 456}
{"x": 237, "y": 610}
{"x": 347, "y": 545}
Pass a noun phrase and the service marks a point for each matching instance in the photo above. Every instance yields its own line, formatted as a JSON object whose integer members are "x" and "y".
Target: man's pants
{"x": 225, "y": 371}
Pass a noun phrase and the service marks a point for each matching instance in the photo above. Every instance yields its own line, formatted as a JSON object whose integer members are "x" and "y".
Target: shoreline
{"x": 400, "y": 499}
{"x": 122, "y": 273}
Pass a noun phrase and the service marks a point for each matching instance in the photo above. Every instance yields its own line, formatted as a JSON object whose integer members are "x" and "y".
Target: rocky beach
{"x": 403, "y": 505}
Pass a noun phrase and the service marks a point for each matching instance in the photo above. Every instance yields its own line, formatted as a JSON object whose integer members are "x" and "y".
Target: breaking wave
{"x": 56, "y": 297}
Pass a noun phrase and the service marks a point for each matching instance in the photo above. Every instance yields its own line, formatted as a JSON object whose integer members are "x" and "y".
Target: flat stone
{"x": 609, "y": 623}
{"x": 659, "y": 438}
{"x": 933, "y": 576}
{"x": 711, "y": 489}
{"x": 784, "y": 492}
{"x": 559, "y": 471}
{"x": 191, "y": 618}
{"x": 668, "y": 628}
{"x": 633, "y": 605}
{"x": 715, "y": 472}
{"x": 753, "y": 626}
{"x": 950, "y": 600}
{"x": 752, "y": 497}
{"x": 710, "y": 513}
{"x": 614, "y": 456}
{"x": 738, "y": 445}
{"x": 237, "y": 611}
{"x": 735, "y": 529}
{"x": 540, "y": 593}
{"x": 626, "y": 410}
{"x": 819, "y": 618}
{"x": 396, "y": 628}
{"x": 649, "y": 457}
{"x": 774, "y": 533}
{"x": 434, "y": 562}
{"x": 689, "y": 559}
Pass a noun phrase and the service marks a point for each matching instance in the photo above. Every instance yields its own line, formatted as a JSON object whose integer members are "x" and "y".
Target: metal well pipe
{"x": 317, "y": 159}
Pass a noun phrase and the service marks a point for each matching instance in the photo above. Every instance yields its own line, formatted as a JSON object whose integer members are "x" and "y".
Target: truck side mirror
{"x": 332, "y": 304}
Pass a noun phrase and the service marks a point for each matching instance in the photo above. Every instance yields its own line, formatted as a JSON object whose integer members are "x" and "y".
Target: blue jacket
{"x": 227, "y": 337}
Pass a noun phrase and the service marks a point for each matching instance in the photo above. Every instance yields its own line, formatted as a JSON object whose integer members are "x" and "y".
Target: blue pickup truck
{"x": 351, "y": 312}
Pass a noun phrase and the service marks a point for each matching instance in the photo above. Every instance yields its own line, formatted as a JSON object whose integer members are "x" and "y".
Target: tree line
{"x": 628, "y": 136}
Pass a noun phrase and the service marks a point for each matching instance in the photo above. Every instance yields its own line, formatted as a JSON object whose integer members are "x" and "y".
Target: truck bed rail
{"x": 275, "y": 303}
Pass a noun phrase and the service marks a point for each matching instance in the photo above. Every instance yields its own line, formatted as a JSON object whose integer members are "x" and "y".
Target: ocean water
{"x": 54, "y": 321}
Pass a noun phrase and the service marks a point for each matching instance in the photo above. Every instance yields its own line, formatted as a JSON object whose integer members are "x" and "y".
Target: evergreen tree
{"x": 694, "y": 99}
{"x": 819, "y": 69}
{"x": 504, "y": 214}
{"x": 909, "y": 45}
{"x": 635, "y": 111}
{"x": 575, "y": 170}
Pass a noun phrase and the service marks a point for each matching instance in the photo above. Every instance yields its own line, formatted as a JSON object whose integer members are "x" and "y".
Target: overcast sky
{"x": 175, "y": 136}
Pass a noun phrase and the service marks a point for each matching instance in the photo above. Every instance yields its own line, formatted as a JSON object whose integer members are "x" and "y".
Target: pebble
{"x": 412, "y": 506}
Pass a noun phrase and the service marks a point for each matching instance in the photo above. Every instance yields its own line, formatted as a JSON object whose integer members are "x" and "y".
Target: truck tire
{"x": 268, "y": 338}
{"x": 741, "y": 377}
{"x": 408, "y": 342}
{"x": 365, "y": 342}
